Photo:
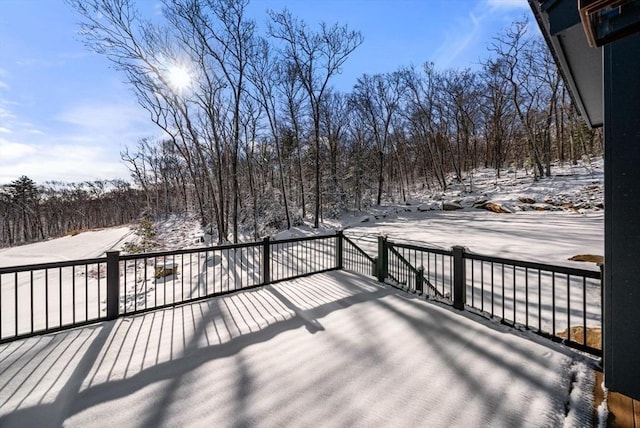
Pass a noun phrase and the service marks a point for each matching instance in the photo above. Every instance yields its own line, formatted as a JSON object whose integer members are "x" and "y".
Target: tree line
{"x": 256, "y": 138}
{"x": 31, "y": 212}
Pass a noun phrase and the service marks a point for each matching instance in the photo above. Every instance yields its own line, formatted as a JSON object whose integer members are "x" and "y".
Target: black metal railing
{"x": 293, "y": 258}
{"x": 51, "y": 296}
{"x": 420, "y": 269}
{"x": 355, "y": 259}
{"x": 36, "y": 299}
{"x": 561, "y": 303}
{"x": 155, "y": 280}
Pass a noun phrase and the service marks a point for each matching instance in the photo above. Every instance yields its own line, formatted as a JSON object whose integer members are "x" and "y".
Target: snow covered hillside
{"x": 550, "y": 220}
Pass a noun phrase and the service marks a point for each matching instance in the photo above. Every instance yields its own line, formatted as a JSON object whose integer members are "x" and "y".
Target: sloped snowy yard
{"x": 333, "y": 349}
{"x": 85, "y": 245}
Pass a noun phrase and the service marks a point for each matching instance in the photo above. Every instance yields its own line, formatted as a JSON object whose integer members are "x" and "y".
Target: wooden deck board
{"x": 624, "y": 412}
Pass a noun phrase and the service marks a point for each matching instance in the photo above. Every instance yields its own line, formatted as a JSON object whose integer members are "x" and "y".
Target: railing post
{"x": 420, "y": 280}
{"x": 459, "y": 278}
{"x": 266, "y": 261}
{"x": 339, "y": 248}
{"x": 383, "y": 258}
{"x": 113, "y": 284}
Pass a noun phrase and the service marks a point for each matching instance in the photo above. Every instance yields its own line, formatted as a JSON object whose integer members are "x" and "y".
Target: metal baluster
{"x": 31, "y": 302}
{"x": 514, "y": 294}
{"x": 86, "y": 291}
{"x": 46, "y": 299}
{"x": 73, "y": 293}
{"x": 569, "y": 307}
{"x": 584, "y": 310}
{"x": 526, "y": 297}
{"x": 553, "y": 302}
{"x": 539, "y": 301}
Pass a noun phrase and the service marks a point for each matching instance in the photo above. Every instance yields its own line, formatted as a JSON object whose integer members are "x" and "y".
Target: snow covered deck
{"x": 333, "y": 349}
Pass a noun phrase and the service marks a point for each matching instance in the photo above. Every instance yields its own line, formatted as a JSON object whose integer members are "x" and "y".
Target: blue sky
{"x": 65, "y": 115}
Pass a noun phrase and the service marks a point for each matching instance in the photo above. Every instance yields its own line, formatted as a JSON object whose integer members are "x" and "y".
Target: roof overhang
{"x": 580, "y": 65}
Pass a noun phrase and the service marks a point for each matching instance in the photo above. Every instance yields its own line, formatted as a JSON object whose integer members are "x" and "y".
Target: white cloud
{"x": 484, "y": 21}
{"x": 70, "y": 163}
{"x": 457, "y": 41}
{"x": 11, "y": 151}
{"x": 5, "y": 113}
{"x": 82, "y": 143}
{"x": 4, "y": 130}
{"x": 115, "y": 120}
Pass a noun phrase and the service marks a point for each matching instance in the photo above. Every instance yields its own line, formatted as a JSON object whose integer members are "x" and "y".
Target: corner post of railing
{"x": 602, "y": 285}
{"x": 113, "y": 284}
{"x": 266, "y": 261}
{"x": 339, "y": 248}
{"x": 383, "y": 258}
{"x": 459, "y": 278}
{"x": 420, "y": 280}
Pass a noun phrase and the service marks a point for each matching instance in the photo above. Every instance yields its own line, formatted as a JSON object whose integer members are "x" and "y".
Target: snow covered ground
{"x": 330, "y": 350}
{"x": 561, "y": 216}
{"x": 333, "y": 349}
{"x": 84, "y": 245}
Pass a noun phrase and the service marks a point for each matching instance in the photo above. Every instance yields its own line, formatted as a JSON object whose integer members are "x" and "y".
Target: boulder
{"x": 526, "y": 200}
{"x": 429, "y": 206}
{"x": 451, "y": 206}
{"x": 495, "y": 207}
{"x": 480, "y": 200}
{"x": 594, "y": 335}
{"x": 541, "y": 207}
{"x": 599, "y": 260}
{"x": 166, "y": 269}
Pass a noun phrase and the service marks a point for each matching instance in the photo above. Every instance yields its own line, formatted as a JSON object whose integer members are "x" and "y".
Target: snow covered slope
{"x": 84, "y": 245}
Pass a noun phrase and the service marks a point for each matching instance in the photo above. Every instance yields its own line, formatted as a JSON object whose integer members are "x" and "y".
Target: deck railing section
{"x": 297, "y": 257}
{"x": 155, "y": 280}
{"x": 51, "y": 296}
{"x": 36, "y": 299}
{"x": 561, "y": 303}
{"x": 355, "y": 259}
{"x": 558, "y": 302}
{"x": 421, "y": 269}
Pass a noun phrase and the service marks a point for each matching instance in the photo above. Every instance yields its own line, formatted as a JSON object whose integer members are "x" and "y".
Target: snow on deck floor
{"x": 335, "y": 349}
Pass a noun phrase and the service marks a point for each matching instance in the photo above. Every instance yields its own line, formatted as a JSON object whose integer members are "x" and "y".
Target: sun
{"x": 179, "y": 78}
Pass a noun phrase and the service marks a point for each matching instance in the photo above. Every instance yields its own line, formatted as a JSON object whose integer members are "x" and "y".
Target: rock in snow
{"x": 451, "y": 206}
{"x": 495, "y": 207}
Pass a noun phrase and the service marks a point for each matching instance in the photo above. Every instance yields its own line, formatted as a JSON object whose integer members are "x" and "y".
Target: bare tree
{"x": 316, "y": 57}
{"x": 377, "y": 100}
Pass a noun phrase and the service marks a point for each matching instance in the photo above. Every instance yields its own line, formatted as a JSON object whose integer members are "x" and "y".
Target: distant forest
{"x": 257, "y": 139}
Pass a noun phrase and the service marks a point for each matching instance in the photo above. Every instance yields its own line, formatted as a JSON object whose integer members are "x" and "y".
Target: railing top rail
{"x": 52, "y": 265}
{"x": 534, "y": 265}
{"x": 421, "y": 248}
{"x": 303, "y": 238}
{"x": 492, "y": 259}
{"x": 190, "y": 250}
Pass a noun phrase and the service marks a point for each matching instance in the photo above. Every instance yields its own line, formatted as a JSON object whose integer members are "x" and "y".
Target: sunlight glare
{"x": 179, "y": 78}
